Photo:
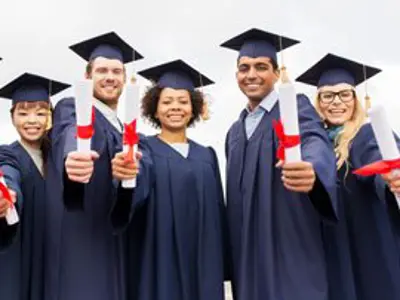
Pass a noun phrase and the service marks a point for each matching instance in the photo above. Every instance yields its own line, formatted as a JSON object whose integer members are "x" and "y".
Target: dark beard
{"x": 108, "y": 102}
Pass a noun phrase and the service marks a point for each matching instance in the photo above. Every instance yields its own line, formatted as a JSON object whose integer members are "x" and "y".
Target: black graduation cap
{"x": 108, "y": 45}
{"x": 258, "y": 43}
{"x": 31, "y": 88}
{"x": 177, "y": 75}
{"x": 332, "y": 70}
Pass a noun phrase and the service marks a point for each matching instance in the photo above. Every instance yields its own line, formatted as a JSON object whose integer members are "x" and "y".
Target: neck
{"x": 173, "y": 136}
{"x": 33, "y": 145}
{"x": 113, "y": 105}
{"x": 254, "y": 102}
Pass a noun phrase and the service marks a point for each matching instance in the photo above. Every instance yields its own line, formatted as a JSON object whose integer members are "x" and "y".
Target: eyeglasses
{"x": 345, "y": 96}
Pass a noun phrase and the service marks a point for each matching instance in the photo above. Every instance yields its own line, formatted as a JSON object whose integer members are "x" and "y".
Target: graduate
{"x": 178, "y": 202}
{"x": 85, "y": 260}
{"x": 370, "y": 220}
{"x": 23, "y": 164}
{"x": 274, "y": 210}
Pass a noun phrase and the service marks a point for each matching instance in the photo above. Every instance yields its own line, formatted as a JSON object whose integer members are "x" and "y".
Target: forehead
{"x": 102, "y": 62}
{"x": 32, "y": 105}
{"x": 336, "y": 87}
{"x": 245, "y": 60}
{"x": 170, "y": 92}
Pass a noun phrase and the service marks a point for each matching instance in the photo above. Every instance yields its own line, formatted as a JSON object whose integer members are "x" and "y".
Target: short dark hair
{"x": 150, "y": 104}
{"x": 273, "y": 62}
{"x": 89, "y": 66}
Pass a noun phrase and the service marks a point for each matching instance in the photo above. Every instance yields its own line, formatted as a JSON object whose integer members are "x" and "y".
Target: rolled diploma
{"x": 83, "y": 106}
{"x": 131, "y": 113}
{"x": 290, "y": 118}
{"x": 385, "y": 138}
{"x": 12, "y": 214}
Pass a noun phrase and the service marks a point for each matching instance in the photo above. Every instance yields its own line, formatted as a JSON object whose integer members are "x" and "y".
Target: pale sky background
{"x": 35, "y": 36}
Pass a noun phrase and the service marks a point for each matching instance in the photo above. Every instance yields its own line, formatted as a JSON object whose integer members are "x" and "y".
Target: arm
{"x": 13, "y": 181}
{"x": 127, "y": 201}
{"x": 317, "y": 149}
{"x": 64, "y": 156}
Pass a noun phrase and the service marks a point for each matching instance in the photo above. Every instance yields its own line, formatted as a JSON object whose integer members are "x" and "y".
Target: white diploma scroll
{"x": 83, "y": 106}
{"x": 131, "y": 113}
{"x": 12, "y": 214}
{"x": 384, "y": 136}
{"x": 289, "y": 118}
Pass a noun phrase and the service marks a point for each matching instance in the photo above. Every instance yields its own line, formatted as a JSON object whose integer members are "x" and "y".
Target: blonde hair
{"x": 347, "y": 134}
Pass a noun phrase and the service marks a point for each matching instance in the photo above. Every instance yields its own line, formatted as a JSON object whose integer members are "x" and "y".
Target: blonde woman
{"x": 362, "y": 252}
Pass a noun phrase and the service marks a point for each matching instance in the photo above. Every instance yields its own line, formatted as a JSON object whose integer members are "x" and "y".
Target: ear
{"x": 277, "y": 74}
{"x": 88, "y": 76}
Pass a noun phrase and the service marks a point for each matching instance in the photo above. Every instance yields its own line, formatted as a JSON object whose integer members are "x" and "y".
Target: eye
{"x": 118, "y": 71}
{"x": 262, "y": 67}
{"x": 101, "y": 70}
{"x": 243, "y": 68}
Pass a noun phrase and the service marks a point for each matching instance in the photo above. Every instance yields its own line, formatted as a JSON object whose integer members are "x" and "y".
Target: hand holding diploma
{"x": 390, "y": 165}
{"x": 130, "y": 136}
{"x": 7, "y": 200}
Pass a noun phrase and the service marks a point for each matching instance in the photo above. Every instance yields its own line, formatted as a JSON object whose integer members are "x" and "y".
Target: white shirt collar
{"x": 267, "y": 103}
{"x": 108, "y": 113}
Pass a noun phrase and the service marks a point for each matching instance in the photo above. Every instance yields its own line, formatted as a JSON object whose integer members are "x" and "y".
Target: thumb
{"x": 279, "y": 164}
{"x": 13, "y": 196}
{"x": 94, "y": 155}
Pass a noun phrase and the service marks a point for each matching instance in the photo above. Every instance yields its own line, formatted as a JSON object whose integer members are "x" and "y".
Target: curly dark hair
{"x": 150, "y": 104}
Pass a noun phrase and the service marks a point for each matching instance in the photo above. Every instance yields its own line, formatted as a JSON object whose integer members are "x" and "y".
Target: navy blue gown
{"x": 176, "y": 225}
{"x": 85, "y": 259}
{"x": 372, "y": 221}
{"x": 275, "y": 234}
{"x": 21, "y": 245}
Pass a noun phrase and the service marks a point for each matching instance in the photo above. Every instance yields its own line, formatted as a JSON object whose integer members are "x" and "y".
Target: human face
{"x": 256, "y": 77}
{"x": 174, "y": 109}
{"x": 108, "y": 79}
{"x": 337, "y": 103}
{"x": 30, "y": 121}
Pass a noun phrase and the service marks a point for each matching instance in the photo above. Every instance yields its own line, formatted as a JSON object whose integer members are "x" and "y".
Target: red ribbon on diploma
{"x": 379, "y": 167}
{"x": 86, "y": 132}
{"x": 5, "y": 191}
{"x": 285, "y": 141}
{"x": 131, "y": 138}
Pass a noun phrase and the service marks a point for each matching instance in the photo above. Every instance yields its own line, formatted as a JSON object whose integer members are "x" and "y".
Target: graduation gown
{"x": 275, "y": 234}
{"x": 84, "y": 260}
{"x": 372, "y": 221}
{"x": 177, "y": 216}
{"x": 21, "y": 245}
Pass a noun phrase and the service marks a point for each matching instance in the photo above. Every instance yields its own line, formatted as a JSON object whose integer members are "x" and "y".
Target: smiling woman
{"x": 23, "y": 163}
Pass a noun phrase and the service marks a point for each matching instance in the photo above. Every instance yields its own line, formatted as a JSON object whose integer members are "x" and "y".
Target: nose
{"x": 336, "y": 100}
{"x": 252, "y": 74}
{"x": 32, "y": 118}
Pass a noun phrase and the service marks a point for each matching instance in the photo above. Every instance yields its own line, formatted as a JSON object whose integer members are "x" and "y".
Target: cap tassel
{"x": 49, "y": 120}
{"x": 367, "y": 103}
{"x": 205, "y": 112}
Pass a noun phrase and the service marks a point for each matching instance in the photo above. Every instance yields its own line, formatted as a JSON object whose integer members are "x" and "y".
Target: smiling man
{"x": 274, "y": 212}
{"x": 85, "y": 260}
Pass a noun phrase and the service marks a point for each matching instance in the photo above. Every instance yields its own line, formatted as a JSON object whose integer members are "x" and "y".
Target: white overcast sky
{"x": 35, "y": 36}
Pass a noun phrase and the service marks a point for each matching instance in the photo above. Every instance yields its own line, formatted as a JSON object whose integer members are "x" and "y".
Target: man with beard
{"x": 84, "y": 258}
{"x": 274, "y": 212}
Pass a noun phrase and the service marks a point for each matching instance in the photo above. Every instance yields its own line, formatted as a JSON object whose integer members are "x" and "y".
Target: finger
{"x": 298, "y": 174}
{"x": 120, "y": 176}
{"x": 79, "y": 172}
{"x": 301, "y": 165}
{"x": 298, "y": 182}
{"x": 138, "y": 155}
{"x": 13, "y": 196}
{"x": 125, "y": 171}
{"x": 69, "y": 163}
{"x": 79, "y": 179}
{"x": 297, "y": 189}
{"x": 94, "y": 155}
{"x": 74, "y": 155}
{"x": 386, "y": 176}
{"x": 279, "y": 164}
{"x": 395, "y": 183}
